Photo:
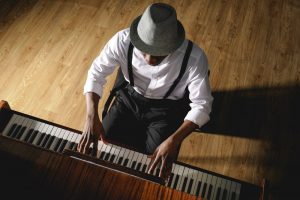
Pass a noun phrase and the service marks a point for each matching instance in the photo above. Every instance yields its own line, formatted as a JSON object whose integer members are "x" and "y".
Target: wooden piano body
{"x": 31, "y": 172}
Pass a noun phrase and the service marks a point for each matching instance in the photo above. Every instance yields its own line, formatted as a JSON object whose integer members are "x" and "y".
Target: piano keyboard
{"x": 185, "y": 178}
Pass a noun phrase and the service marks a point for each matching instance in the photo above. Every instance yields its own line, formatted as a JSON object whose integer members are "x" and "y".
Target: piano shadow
{"x": 254, "y": 113}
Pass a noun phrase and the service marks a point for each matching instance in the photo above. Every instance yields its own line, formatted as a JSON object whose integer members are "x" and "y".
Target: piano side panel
{"x": 31, "y": 172}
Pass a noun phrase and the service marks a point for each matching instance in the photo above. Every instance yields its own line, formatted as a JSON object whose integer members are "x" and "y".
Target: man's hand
{"x": 165, "y": 154}
{"x": 92, "y": 132}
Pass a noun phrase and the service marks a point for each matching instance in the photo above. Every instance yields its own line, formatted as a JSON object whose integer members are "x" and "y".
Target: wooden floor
{"x": 47, "y": 46}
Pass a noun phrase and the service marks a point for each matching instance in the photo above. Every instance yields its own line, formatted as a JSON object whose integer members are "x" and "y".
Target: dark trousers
{"x": 143, "y": 123}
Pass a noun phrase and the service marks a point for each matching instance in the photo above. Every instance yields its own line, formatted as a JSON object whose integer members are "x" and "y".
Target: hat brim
{"x": 154, "y": 50}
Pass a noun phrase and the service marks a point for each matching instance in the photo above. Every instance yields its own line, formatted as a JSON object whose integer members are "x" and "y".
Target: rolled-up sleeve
{"x": 200, "y": 94}
{"x": 102, "y": 66}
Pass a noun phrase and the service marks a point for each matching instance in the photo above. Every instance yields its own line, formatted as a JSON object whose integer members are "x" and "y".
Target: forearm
{"x": 183, "y": 131}
{"x": 92, "y": 102}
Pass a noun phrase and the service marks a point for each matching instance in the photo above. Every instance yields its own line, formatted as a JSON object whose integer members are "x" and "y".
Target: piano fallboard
{"x": 61, "y": 140}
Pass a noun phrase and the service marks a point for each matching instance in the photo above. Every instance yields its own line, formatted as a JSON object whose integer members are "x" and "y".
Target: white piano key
{"x": 203, "y": 180}
{"x": 199, "y": 179}
{"x": 116, "y": 153}
{"x": 238, "y": 191}
{"x": 134, "y": 158}
{"x": 228, "y": 188}
{"x": 139, "y": 160}
{"x": 213, "y": 182}
{"x": 130, "y": 157}
{"x": 184, "y": 175}
{"x": 208, "y": 182}
{"x": 223, "y": 186}
{"x": 180, "y": 172}
{"x": 121, "y": 155}
{"x": 215, "y": 191}
{"x": 175, "y": 172}
{"x": 125, "y": 156}
{"x": 193, "y": 174}
{"x": 232, "y": 189}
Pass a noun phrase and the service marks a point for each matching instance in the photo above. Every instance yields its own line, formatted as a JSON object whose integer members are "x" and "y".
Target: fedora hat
{"x": 157, "y": 32}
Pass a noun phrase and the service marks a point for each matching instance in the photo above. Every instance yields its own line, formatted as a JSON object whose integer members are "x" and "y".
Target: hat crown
{"x": 158, "y": 25}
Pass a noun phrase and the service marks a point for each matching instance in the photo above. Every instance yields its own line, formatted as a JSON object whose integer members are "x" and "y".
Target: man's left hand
{"x": 165, "y": 154}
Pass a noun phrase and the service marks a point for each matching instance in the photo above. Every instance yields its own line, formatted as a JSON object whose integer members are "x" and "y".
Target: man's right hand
{"x": 93, "y": 129}
{"x": 92, "y": 132}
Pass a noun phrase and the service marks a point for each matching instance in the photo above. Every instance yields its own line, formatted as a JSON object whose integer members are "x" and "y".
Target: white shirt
{"x": 154, "y": 81}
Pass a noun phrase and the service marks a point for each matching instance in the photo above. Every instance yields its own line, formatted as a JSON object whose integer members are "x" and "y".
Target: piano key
{"x": 125, "y": 156}
{"x": 11, "y": 125}
{"x": 16, "y": 130}
{"x": 197, "y": 181}
{"x": 175, "y": 169}
{"x": 37, "y": 127}
{"x": 237, "y": 191}
{"x": 133, "y": 160}
{"x": 199, "y": 184}
{"x": 57, "y": 139}
{"x": 184, "y": 175}
{"x": 217, "y": 189}
{"x": 32, "y": 136}
{"x": 223, "y": 187}
{"x": 208, "y": 183}
{"x": 212, "y": 187}
{"x": 180, "y": 172}
{"x": 129, "y": 158}
{"x": 20, "y": 133}
{"x": 203, "y": 184}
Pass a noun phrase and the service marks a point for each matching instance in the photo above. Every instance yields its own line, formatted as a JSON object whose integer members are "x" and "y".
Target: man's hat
{"x": 157, "y": 32}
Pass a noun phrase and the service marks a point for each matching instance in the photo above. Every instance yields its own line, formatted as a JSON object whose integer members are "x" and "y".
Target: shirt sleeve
{"x": 200, "y": 94}
{"x": 103, "y": 65}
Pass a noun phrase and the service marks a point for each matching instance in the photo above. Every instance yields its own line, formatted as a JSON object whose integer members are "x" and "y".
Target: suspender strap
{"x": 119, "y": 84}
{"x": 183, "y": 68}
{"x": 129, "y": 64}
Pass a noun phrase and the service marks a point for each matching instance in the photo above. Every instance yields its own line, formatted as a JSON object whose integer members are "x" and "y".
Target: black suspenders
{"x": 121, "y": 82}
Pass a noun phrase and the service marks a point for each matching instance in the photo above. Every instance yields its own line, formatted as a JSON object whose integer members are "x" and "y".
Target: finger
{"x": 162, "y": 167}
{"x": 82, "y": 143}
{"x": 87, "y": 144}
{"x": 153, "y": 165}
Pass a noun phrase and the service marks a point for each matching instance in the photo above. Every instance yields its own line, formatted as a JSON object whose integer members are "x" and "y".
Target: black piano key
{"x": 11, "y": 130}
{"x": 184, "y": 184}
{"x": 144, "y": 168}
{"x": 133, "y": 164}
{"x": 198, "y": 188}
{"x": 58, "y": 142}
{"x": 233, "y": 196}
{"x": 74, "y": 148}
{"x": 44, "y": 141}
{"x": 102, "y": 155}
{"x": 218, "y": 193}
{"x": 21, "y": 132}
{"x": 68, "y": 145}
{"x": 120, "y": 161}
{"x": 28, "y": 135}
{"x": 62, "y": 146}
{"x": 204, "y": 190}
{"x": 224, "y": 196}
{"x": 190, "y": 186}
{"x": 15, "y": 131}
{"x": 170, "y": 180}
{"x": 49, "y": 142}
{"x": 106, "y": 157}
{"x": 54, "y": 143}
{"x": 176, "y": 181}
{"x": 112, "y": 158}
{"x": 72, "y": 145}
{"x": 32, "y": 136}
{"x": 210, "y": 188}
{"x": 138, "y": 166}
{"x": 125, "y": 162}
{"x": 39, "y": 138}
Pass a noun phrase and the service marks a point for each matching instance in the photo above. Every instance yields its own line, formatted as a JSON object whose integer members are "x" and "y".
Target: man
{"x": 151, "y": 113}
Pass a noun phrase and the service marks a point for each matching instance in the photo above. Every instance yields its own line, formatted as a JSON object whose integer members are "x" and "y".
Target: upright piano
{"x": 39, "y": 161}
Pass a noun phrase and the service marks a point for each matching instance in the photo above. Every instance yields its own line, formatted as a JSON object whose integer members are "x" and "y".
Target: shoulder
{"x": 119, "y": 43}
